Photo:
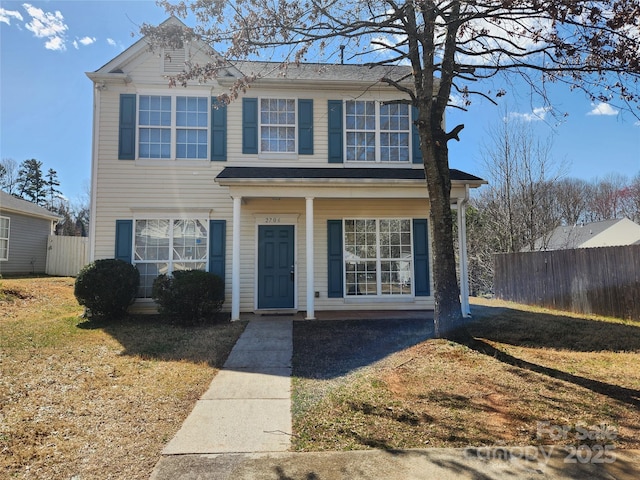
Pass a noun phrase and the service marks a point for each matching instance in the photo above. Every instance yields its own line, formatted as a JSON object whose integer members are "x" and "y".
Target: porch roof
{"x": 236, "y": 175}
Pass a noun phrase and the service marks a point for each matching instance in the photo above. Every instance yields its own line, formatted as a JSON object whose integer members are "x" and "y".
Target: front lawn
{"x": 526, "y": 377}
{"x": 94, "y": 401}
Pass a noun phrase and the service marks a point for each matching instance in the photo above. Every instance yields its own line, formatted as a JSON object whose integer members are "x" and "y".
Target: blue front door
{"x": 276, "y": 272}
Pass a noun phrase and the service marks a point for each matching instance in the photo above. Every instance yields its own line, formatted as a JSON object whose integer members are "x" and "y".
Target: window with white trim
{"x": 173, "y": 127}
{"x": 378, "y": 257}
{"x": 277, "y": 125}
{"x": 4, "y": 238}
{"x": 377, "y": 131}
{"x": 166, "y": 245}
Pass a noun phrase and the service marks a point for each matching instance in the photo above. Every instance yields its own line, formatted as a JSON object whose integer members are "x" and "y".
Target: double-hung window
{"x": 4, "y": 238}
{"x": 277, "y": 125}
{"x": 377, "y": 131}
{"x": 173, "y": 127}
{"x": 167, "y": 244}
{"x": 378, "y": 257}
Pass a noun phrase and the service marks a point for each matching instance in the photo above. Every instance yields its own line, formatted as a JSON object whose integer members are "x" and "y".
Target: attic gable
{"x": 171, "y": 60}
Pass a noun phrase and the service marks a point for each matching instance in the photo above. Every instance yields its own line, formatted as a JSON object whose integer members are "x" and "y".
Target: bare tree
{"x": 571, "y": 200}
{"x": 606, "y": 198}
{"x": 9, "y": 175}
{"x": 453, "y": 46}
{"x": 520, "y": 195}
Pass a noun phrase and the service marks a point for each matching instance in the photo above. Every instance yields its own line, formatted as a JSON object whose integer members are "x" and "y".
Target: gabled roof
{"x": 620, "y": 231}
{"x": 115, "y": 68}
{"x": 11, "y": 204}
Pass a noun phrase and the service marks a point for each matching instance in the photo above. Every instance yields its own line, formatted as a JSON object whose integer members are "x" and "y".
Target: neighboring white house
{"x": 608, "y": 233}
{"x": 307, "y": 192}
{"x": 24, "y": 229}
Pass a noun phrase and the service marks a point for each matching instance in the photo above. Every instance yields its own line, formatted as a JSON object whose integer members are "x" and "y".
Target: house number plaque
{"x": 272, "y": 220}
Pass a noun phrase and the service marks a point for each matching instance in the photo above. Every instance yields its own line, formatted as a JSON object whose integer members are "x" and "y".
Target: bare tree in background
{"x": 453, "y": 46}
{"x": 9, "y": 175}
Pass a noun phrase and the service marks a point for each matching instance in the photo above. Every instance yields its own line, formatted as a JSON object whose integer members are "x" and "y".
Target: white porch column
{"x": 235, "y": 260}
{"x": 310, "y": 271}
{"x": 462, "y": 252}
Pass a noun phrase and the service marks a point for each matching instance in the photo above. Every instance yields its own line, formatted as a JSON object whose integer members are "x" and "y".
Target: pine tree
{"x": 52, "y": 192}
{"x": 31, "y": 182}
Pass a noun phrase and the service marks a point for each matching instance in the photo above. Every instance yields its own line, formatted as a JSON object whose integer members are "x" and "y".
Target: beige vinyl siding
{"x": 319, "y": 159}
{"x": 324, "y": 209}
{"x": 126, "y": 189}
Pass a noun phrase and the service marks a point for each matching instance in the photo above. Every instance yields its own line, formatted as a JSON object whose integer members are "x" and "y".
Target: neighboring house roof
{"x": 283, "y": 173}
{"x": 9, "y": 203}
{"x": 607, "y": 233}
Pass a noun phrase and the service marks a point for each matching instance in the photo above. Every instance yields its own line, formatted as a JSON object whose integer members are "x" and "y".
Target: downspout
{"x": 97, "y": 91}
{"x": 462, "y": 247}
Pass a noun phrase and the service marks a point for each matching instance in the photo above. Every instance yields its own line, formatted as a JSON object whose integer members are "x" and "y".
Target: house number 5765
{"x": 272, "y": 220}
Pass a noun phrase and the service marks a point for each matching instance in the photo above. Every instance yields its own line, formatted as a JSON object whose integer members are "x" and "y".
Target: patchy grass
{"x": 520, "y": 367}
{"x": 85, "y": 400}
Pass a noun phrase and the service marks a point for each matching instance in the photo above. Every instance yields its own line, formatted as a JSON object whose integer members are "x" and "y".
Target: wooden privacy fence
{"x": 66, "y": 255}
{"x": 604, "y": 281}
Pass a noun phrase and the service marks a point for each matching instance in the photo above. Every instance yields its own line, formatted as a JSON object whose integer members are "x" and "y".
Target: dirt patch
{"x": 494, "y": 389}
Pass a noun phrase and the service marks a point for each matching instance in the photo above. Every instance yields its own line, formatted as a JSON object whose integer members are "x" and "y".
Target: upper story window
{"x": 173, "y": 127}
{"x": 4, "y": 238}
{"x": 377, "y": 131}
{"x": 277, "y": 125}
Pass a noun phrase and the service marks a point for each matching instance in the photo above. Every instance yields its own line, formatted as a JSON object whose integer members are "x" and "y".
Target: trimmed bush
{"x": 107, "y": 287}
{"x": 190, "y": 297}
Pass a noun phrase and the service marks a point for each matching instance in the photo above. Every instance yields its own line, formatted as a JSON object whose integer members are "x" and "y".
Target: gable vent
{"x": 174, "y": 60}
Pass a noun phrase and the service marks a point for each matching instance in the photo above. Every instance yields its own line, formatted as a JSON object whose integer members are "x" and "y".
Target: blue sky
{"x": 46, "y": 99}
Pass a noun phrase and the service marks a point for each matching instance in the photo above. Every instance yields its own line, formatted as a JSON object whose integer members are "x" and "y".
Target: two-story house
{"x": 306, "y": 193}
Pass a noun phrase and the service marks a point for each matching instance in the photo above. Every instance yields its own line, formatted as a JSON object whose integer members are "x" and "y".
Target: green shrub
{"x": 190, "y": 296}
{"x": 107, "y": 287}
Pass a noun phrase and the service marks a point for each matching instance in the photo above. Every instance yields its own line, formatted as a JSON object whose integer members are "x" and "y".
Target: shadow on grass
{"x": 553, "y": 330}
{"x": 153, "y": 337}
{"x": 543, "y": 330}
{"x": 329, "y": 349}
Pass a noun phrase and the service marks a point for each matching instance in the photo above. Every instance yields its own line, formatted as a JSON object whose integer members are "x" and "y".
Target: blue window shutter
{"x": 127, "y": 133}
{"x": 415, "y": 137}
{"x": 218, "y": 131}
{"x": 305, "y": 127}
{"x": 335, "y": 131}
{"x": 421, "y": 257}
{"x": 249, "y": 125}
{"x": 335, "y": 266}
{"x": 124, "y": 240}
{"x": 217, "y": 245}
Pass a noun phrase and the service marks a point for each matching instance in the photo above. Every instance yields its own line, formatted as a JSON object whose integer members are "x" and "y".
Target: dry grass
{"x": 86, "y": 401}
{"x": 520, "y": 367}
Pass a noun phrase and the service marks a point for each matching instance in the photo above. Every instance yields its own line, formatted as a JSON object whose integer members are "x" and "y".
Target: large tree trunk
{"x": 448, "y": 314}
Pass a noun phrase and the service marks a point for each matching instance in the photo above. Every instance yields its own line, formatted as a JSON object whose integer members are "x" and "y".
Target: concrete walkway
{"x": 248, "y": 405}
{"x": 241, "y": 429}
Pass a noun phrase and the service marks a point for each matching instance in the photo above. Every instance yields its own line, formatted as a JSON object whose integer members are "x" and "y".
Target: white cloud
{"x": 602, "y": 109}
{"x": 7, "y": 15}
{"x": 538, "y": 114}
{"x": 83, "y": 41}
{"x": 47, "y": 25}
{"x": 87, "y": 40}
{"x": 111, "y": 42}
